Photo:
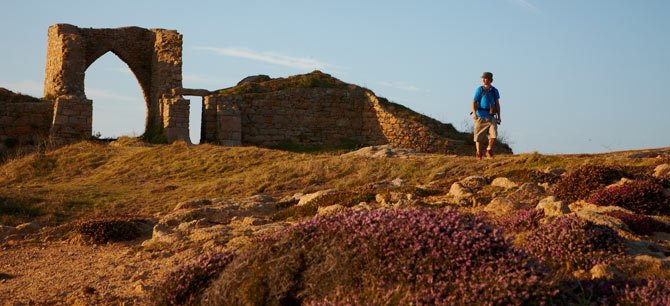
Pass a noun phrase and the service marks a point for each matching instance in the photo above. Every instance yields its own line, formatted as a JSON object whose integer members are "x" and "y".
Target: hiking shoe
{"x": 479, "y": 155}
{"x": 489, "y": 154}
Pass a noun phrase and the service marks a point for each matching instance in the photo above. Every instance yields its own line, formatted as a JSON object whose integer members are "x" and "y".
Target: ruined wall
{"x": 24, "y": 123}
{"x": 153, "y": 55}
{"x": 406, "y": 133}
{"x": 300, "y": 116}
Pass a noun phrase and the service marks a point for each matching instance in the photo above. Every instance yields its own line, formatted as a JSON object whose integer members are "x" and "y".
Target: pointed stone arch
{"x": 153, "y": 55}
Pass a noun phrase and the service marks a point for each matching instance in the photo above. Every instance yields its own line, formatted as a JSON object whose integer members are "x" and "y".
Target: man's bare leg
{"x": 489, "y": 148}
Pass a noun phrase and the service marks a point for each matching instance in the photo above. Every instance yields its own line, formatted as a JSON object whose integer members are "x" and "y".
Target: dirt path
{"x": 62, "y": 273}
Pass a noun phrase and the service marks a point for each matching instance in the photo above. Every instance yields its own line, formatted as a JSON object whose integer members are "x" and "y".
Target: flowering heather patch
{"x": 580, "y": 183}
{"x": 654, "y": 292}
{"x": 573, "y": 243}
{"x": 425, "y": 256}
{"x": 520, "y": 221}
{"x": 644, "y": 197}
{"x": 109, "y": 229}
{"x": 185, "y": 285}
{"x": 640, "y": 224}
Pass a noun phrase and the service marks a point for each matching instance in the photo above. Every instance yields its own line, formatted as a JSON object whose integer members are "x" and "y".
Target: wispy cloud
{"x": 29, "y": 87}
{"x": 102, "y": 94}
{"x": 271, "y": 58}
{"x": 205, "y": 80}
{"x": 525, "y": 4}
{"x": 402, "y": 86}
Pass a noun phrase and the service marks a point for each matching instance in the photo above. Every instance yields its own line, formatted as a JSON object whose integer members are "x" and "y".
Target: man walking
{"x": 486, "y": 114}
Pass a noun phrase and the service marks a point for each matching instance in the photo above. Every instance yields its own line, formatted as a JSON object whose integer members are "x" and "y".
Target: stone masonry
{"x": 153, "y": 55}
{"x": 23, "y": 120}
{"x": 272, "y": 112}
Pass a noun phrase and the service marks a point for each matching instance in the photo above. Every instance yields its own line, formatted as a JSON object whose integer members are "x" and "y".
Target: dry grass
{"x": 95, "y": 178}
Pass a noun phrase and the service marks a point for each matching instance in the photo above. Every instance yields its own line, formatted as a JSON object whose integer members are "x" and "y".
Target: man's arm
{"x": 474, "y": 110}
{"x": 498, "y": 110}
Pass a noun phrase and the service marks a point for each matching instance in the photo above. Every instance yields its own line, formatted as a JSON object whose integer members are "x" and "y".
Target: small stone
{"x": 474, "y": 182}
{"x": 398, "y": 182}
{"x": 329, "y": 210}
{"x": 555, "y": 170}
{"x": 193, "y": 204}
{"x": 262, "y": 198}
{"x": 254, "y": 221}
{"x": 457, "y": 190}
{"x": 28, "y": 228}
{"x": 504, "y": 183}
{"x": 311, "y": 196}
{"x": 662, "y": 170}
{"x": 501, "y": 206}
{"x": 553, "y": 207}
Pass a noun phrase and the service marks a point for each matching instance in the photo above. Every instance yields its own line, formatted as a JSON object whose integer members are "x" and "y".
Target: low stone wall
{"x": 304, "y": 116}
{"x": 24, "y": 123}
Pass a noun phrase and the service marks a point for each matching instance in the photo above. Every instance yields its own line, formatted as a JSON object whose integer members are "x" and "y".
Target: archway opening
{"x": 195, "y": 119}
{"x": 119, "y": 108}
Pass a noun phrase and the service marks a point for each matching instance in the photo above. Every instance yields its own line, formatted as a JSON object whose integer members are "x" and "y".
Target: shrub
{"x": 109, "y": 229}
{"x": 644, "y": 197}
{"x": 654, "y": 292}
{"x": 640, "y": 224}
{"x": 425, "y": 257}
{"x": 573, "y": 243}
{"x": 580, "y": 183}
{"x": 521, "y": 221}
{"x": 185, "y": 285}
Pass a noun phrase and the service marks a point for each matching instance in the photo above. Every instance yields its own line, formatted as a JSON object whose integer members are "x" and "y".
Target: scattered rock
{"x": 311, "y": 196}
{"x": 254, "y": 221}
{"x": 528, "y": 193}
{"x": 457, "y": 190}
{"x": 553, "y": 207}
{"x": 191, "y": 204}
{"x": 474, "y": 182}
{"x": 662, "y": 170}
{"x": 622, "y": 181}
{"x": 330, "y": 210}
{"x": 601, "y": 219}
{"x": 382, "y": 152}
{"x": 501, "y": 206}
{"x": 261, "y": 198}
{"x": 28, "y": 228}
{"x": 641, "y": 247}
{"x": 294, "y": 197}
{"x": 555, "y": 170}
{"x": 395, "y": 199}
{"x": 504, "y": 183}
{"x": 163, "y": 234}
{"x": 398, "y": 182}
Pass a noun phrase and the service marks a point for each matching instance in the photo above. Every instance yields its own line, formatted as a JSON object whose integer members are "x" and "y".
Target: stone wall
{"x": 153, "y": 55}
{"x": 24, "y": 123}
{"x": 315, "y": 116}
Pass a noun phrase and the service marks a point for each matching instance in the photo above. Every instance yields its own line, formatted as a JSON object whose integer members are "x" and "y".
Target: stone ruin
{"x": 311, "y": 109}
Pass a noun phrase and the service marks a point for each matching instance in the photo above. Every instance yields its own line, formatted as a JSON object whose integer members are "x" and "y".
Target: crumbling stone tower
{"x": 153, "y": 55}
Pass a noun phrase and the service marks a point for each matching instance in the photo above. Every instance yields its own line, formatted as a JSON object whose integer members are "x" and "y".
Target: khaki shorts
{"x": 485, "y": 125}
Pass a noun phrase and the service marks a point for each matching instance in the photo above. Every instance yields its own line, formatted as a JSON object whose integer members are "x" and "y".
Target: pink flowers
{"x": 424, "y": 256}
{"x": 641, "y": 196}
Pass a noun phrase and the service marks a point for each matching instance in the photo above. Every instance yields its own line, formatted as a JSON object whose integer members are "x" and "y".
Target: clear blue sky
{"x": 574, "y": 76}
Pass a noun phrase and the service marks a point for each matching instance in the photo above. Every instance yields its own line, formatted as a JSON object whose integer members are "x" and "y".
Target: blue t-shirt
{"x": 487, "y": 99}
